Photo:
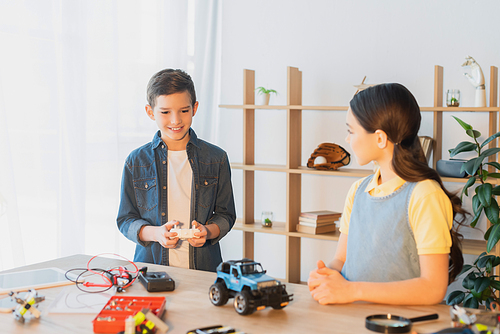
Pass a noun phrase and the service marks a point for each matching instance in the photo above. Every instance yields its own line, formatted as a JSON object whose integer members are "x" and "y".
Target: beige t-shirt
{"x": 430, "y": 212}
{"x": 180, "y": 177}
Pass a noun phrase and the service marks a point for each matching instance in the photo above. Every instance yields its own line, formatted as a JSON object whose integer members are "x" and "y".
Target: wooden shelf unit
{"x": 293, "y": 169}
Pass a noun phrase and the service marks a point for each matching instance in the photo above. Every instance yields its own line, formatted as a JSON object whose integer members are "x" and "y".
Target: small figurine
{"x": 477, "y": 80}
{"x": 252, "y": 289}
{"x": 362, "y": 86}
{"x": 26, "y": 304}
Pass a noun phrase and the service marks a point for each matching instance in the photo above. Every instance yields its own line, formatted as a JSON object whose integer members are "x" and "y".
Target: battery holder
{"x": 156, "y": 281}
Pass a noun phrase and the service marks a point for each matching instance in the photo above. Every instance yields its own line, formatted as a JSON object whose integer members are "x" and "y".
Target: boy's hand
{"x": 201, "y": 237}
{"x": 163, "y": 234}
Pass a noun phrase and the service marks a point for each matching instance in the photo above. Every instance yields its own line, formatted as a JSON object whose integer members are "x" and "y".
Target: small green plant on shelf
{"x": 480, "y": 284}
{"x": 266, "y": 92}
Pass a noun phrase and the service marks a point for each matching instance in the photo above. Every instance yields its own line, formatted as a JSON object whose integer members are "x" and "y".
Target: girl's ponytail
{"x": 410, "y": 164}
{"x": 393, "y": 109}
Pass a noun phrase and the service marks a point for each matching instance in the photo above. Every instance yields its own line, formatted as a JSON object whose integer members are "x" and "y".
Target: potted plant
{"x": 480, "y": 284}
{"x": 266, "y": 93}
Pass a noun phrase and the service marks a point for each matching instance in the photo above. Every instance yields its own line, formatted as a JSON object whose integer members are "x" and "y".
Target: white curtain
{"x": 73, "y": 78}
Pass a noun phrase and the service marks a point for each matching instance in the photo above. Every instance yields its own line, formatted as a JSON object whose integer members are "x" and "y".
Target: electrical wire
{"x": 110, "y": 276}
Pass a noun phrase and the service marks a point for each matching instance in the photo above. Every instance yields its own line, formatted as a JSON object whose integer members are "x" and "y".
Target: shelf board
{"x": 469, "y": 246}
{"x": 350, "y": 172}
{"x": 460, "y": 109}
{"x": 344, "y": 108}
{"x": 277, "y": 228}
{"x": 333, "y": 236}
{"x": 280, "y": 228}
{"x": 491, "y": 180}
{"x": 265, "y": 168}
{"x": 293, "y": 107}
{"x": 473, "y": 247}
{"x": 304, "y": 170}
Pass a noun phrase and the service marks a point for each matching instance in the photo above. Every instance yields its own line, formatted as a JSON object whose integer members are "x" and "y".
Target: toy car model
{"x": 247, "y": 282}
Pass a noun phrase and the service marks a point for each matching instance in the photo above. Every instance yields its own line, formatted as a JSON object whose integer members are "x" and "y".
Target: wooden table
{"x": 188, "y": 307}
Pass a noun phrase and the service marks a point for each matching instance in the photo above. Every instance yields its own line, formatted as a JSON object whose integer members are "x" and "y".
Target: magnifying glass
{"x": 388, "y": 323}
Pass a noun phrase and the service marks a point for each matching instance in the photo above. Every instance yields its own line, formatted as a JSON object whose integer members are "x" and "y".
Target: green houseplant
{"x": 479, "y": 282}
{"x": 266, "y": 93}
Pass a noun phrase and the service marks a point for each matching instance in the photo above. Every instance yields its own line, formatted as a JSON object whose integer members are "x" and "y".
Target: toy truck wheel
{"x": 218, "y": 294}
{"x": 242, "y": 303}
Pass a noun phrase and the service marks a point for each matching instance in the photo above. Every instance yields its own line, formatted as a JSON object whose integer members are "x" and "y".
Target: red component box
{"x": 112, "y": 317}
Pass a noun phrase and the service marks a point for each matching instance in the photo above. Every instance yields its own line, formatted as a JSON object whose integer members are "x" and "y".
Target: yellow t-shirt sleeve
{"x": 430, "y": 215}
{"x": 346, "y": 214}
{"x": 431, "y": 218}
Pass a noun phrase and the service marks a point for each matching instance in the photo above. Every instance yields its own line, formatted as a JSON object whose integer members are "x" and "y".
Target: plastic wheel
{"x": 242, "y": 303}
{"x": 218, "y": 294}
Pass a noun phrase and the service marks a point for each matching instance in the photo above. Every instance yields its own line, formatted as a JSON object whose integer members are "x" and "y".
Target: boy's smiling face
{"x": 173, "y": 114}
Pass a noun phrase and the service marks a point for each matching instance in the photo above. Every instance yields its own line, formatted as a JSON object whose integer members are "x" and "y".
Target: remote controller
{"x": 184, "y": 233}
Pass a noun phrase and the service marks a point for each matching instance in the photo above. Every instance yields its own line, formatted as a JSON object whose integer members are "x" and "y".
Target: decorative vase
{"x": 263, "y": 99}
{"x": 267, "y": 97}
{"x": 267, "y": 218}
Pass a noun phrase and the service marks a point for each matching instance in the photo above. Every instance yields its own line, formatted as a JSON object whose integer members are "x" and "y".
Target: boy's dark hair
{"x": 170, "y": 81}
{"x": 393, "y": 109}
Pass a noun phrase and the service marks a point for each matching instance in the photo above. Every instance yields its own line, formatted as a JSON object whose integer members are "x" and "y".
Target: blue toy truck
{"x": 247, "y": 282}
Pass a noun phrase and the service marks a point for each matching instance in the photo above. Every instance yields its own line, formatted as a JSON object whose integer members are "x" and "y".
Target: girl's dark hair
{"x": 393, "y": 109}
{"x": 170, "y": 81}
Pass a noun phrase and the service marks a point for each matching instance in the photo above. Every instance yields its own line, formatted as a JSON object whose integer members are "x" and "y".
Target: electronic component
{"x": 156, "y": 281}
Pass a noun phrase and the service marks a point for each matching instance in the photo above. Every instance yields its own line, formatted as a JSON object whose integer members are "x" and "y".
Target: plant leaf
{"x": 455, "y": 297}
{"x": 489, "y": 139}
{"x": 495, "y": 284}
{"x": 468, "y": 281}
{"x": 468, "y": 184}
{"x": 495, "y": 175}
{"x": 471, "y": 303}
{"x": 462, "y": 123}
{"x": 484, "y": 260}
{"x": 485, "y": 175}
{"x": 465, "y": 146}
{"x": 484, "y": 193}
{"x": 475, "y": 203}
{"x": 496, "y": 261}
{"x": 490, "y": 151}
{"x": 488, "y": 231}
{"x": 480, "y": 256}
{"x": 465, "y": 269}
{"x": 481, "y": 284}
{"x": 496, "y": 191}
{"x": 468, "y": 166}
{"x": 494, "y": 164}
{"x": 477, "y": 164}
{"x": 473, "y": 133}
{"x": 493, "y": 237}
{"x": 492, "y": 212}
{"x": 476, "y": 216}
{"x": 489, "y": 266}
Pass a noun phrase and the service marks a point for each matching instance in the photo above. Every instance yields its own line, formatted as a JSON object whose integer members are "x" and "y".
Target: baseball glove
{"x": 329, "y": 156}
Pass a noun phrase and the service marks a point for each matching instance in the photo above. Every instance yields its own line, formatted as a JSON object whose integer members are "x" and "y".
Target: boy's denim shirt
{"x": 144, "y": 198}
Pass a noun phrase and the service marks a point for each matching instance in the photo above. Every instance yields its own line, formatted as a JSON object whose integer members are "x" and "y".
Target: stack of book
{"x": 315, "y": 222}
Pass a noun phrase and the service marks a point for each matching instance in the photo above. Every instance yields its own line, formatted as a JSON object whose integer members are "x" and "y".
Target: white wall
{"x": 335, "y": 44}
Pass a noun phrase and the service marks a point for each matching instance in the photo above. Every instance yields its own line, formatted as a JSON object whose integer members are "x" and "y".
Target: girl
{"x": 397, "y": 245}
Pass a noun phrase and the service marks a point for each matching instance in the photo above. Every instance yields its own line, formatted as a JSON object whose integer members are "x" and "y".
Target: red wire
{"x": 106, "y": 278}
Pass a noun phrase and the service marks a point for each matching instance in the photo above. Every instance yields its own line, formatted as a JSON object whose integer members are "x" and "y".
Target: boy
{"x": 174, "y": 180}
